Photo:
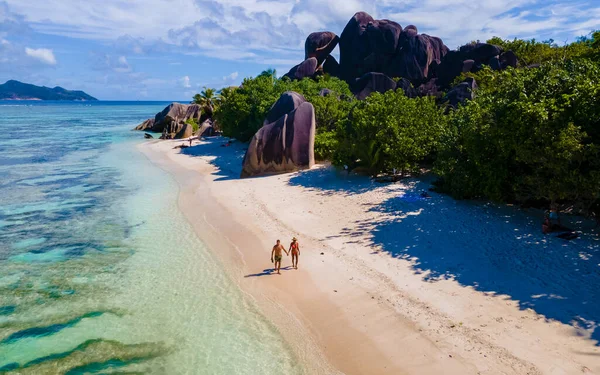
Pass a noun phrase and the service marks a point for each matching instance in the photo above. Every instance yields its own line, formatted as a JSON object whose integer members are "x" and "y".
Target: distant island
{"x": 15, "y": 90}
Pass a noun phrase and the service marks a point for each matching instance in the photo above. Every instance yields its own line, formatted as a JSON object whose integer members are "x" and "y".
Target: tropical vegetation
{"x": 531, "y": 135}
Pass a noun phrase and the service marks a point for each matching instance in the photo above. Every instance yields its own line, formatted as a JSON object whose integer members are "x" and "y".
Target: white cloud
{"x": 121, "y": 65}
{"x": 185, "y": 82}
{"x": 267, "y": 30}
{"x": 231, "y": 77}
{"x": 44, "y": 55}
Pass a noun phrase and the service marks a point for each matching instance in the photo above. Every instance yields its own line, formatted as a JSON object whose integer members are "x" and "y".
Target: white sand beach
{"x": 390, "y": 282}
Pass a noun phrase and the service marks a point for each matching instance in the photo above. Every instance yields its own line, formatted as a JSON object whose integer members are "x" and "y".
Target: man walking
{"x": 276, "y": 255}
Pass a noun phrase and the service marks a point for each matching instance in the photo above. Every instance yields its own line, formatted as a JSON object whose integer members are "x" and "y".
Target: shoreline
{"x": 352, "y": 308}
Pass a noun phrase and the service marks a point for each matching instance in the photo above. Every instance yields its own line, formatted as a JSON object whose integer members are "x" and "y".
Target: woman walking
{"x": 295, "y": 250}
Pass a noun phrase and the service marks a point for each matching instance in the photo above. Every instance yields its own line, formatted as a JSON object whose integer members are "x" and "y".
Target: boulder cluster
{"x": 381, "y": 55}
{"x": 286, "y": 140}
{"x": 172, "y": 122}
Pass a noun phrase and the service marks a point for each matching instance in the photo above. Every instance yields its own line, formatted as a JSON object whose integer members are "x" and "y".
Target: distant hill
{"x": 15, "y": 90}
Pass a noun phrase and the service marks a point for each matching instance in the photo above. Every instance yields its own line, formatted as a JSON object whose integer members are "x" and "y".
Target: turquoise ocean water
{"x": 99, "y": 271}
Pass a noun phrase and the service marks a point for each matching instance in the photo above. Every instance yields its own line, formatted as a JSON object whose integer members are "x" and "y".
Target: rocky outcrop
{"x": 354, "y": 47}
{"x": 331, "y": 66}
{"x": 173, "y": 113}
{"x": 177, "y": 130}
{"x": 286, "y": 144}
{"x": 146, "y": 125}
{"x": 462, "y": 92}
{"x": 373, "y": 82}
{"x": 186, "y": 131}
{"x": 307, "y": 68}
{"x": 471, "y": 58}
{"x": 374, "y": 53}
{"x": 206, "y": 129}
{"x": 287, "y": 102}
{"x": 507, "y": 59}
{"x": 319, "y": 45}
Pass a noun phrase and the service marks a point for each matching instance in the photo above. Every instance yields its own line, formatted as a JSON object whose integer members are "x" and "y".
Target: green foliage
{"x": 242, "y": 114}
{"x": 533, "y": 52}
{"x": 207, "y": 99}
{"x": 246, "y": 107}
{"x": 390, "y": 131}
{"x": 325, "y": 145}
{"x": 530, "y": 134}
{"x": 194, "y": 124}
{"x": 329, "y": 109}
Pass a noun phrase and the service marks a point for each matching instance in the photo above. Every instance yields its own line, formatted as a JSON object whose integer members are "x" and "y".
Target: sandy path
{"x": 404, "y": 284}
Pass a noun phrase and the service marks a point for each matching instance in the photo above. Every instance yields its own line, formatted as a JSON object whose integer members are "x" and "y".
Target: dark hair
{"x": 278, "y": 241}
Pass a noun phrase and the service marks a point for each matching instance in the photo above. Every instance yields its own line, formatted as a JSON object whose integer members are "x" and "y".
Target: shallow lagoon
{"x": 99, "y": 271}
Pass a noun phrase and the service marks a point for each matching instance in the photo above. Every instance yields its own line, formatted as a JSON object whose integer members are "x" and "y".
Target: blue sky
{"x": 169, "y": 50}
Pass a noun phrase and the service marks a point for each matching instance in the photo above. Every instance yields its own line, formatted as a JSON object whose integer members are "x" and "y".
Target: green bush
{"x": 325, "y": 145}
{"x": 390, "y": 131}
{"x": 242, "y": 114}
{"x": 246, "y": 107}
{"x": 533, "y": 52}
{"x": 530, "y": 134}
{"x": 194, "y": 124}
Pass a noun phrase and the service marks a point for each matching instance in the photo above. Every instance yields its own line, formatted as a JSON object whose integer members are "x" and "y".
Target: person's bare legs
{"x": 278, "y": 266}
{"x": 297, "y": 257}
{"x": 295, "y": 261}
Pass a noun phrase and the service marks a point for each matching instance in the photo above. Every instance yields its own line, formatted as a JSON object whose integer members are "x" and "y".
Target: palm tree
{"x": 224, "y": 94}
{"x": 207, "y": 100}
{"x": 269, "y": 73}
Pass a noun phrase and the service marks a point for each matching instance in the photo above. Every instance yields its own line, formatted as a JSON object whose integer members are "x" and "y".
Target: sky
{"x": 171, "y": 49}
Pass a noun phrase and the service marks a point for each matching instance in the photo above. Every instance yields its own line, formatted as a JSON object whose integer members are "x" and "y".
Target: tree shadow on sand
{"x": 327, "y": 180}
{"x": 496, "y": 250}
{"x": 226, "y": 159}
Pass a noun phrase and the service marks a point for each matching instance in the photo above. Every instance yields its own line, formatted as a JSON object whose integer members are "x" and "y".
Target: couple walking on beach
{"x": 276, "y": 254}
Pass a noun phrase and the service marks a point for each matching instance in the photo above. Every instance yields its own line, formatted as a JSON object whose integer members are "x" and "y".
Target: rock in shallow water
{"x": 174, "y": 112}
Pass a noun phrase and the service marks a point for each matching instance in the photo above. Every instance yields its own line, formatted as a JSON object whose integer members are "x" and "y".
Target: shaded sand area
{"x": 390, "y": 282}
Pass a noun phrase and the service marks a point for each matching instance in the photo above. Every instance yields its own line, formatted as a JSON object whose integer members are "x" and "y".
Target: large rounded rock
{"x": 185, "y": 131}
{"x": 174, "y": 112}
{"x": 287, "y": 102}
{"x": 451, "y": 66}
{"x": 354, "y": 46}
{"x": 383, "y": 46}
{"x": 331, "y": 66}
{"x": 307, "y": 68}
{"x": 480, "y": 52}
{"x": 206, "y": 129}
{"x": 373, "y": 82}
{"x": 194, "y": 111}
{"x": 438, "y": 48}
{"x": 146, "y": 125}
{"x": 407, "y": 87}
{"x": 462, "y": 92}
{"x": 284, "y": 145}
{"x": 383, "y": 36}
{"x": 319, "y": 45}
{"x": 507, "y": 59}
{"x": 414, "y": 56}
